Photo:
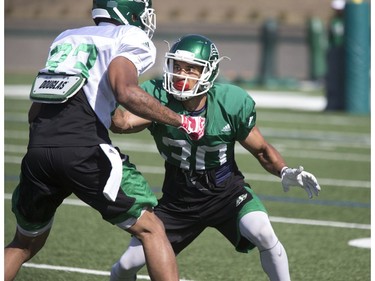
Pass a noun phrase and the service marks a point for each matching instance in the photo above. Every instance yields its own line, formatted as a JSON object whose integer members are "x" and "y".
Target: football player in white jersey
{"x": 88, "y": 73}
{"x": 203, "y": 186}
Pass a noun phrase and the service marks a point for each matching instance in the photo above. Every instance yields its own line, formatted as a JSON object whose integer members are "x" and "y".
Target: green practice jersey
{"x": 230, "y": 116}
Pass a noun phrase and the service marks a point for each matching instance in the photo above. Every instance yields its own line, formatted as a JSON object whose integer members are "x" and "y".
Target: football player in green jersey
{"x": 203, "y": 186}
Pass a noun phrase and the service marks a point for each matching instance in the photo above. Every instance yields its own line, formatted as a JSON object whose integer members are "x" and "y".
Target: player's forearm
{"x": 124, "y": 122}
{"x": 143, "y": 105}
{"x": 123, "y": 78}
{"x": 271, "y": 160}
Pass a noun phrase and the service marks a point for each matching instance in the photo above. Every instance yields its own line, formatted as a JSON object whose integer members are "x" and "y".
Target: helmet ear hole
{"x": 134, "y": 18}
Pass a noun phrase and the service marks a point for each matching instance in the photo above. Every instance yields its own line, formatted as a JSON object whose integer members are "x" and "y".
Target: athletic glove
{"x": 193, "y": 126}
{"x": 298, "y": 177}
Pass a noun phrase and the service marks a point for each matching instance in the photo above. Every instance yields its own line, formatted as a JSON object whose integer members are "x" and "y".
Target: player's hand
{"x": 193, "y": 126}
{"x": 298, "y": 177}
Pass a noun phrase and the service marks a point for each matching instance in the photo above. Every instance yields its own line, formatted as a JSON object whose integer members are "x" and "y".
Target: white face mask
{"x": 181, "y": 89}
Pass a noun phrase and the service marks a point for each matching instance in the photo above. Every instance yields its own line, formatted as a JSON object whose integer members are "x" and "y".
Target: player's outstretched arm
{"x": 270, "y": 159}
{"x": 273, "y": 162}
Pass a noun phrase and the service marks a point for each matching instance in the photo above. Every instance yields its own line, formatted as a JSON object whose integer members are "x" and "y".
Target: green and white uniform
{"x": 202, "y": 179}
{"x": 230, "y": 115}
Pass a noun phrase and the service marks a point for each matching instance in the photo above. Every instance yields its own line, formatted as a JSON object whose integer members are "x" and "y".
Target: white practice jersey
{"x": 88, "y": 51}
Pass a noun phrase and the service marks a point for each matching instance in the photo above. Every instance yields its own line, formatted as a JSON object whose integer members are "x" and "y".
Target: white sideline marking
{"x": 81, "y": 270}
{"x": 285, "y": 100}
{"x": 77, "y": 202}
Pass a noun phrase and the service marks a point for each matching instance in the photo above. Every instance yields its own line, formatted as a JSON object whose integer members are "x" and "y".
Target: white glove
{"x": 298, "y": 177}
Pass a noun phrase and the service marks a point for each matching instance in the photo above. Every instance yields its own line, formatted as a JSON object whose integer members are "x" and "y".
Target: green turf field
{"x": 333, "y": 146}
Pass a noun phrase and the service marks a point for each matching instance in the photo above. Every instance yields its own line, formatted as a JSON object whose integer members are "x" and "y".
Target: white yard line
{"x": 81, "y": 270}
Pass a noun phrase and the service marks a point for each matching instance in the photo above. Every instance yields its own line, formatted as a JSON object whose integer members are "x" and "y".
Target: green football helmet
{"x": 134, "y": 12}
{"x": 197, "y": 50}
